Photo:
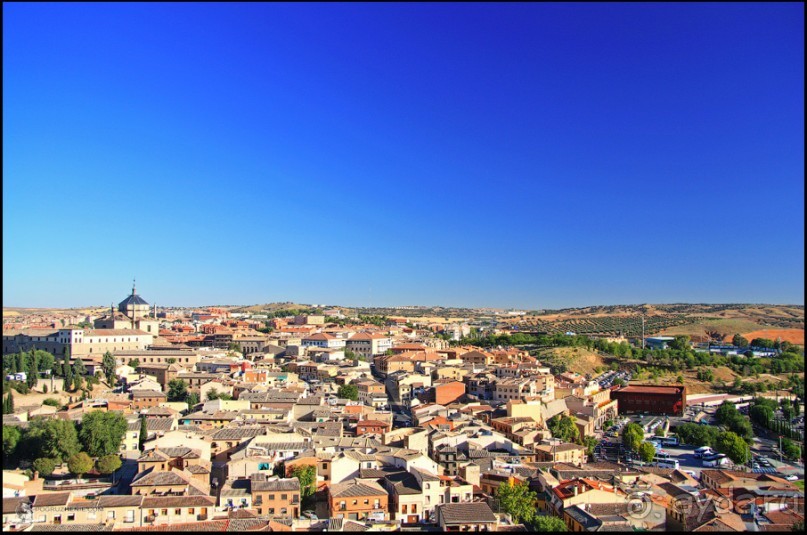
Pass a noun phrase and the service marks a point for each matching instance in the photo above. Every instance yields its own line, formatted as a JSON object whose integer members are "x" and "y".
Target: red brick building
{"x": 669, "y": 400}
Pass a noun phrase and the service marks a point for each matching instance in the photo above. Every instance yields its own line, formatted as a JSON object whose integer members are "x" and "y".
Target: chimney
{"x": 575, "y": 489}
{"x": 35, "y": 476}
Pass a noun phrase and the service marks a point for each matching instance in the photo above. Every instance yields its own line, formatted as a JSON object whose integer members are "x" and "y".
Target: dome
{"x": 133, "y": 299}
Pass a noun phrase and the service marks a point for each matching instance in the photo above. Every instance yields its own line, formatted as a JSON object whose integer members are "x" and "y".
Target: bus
{"x": 669, "y": 441}
{"x": 715, "y": 460}
{"x": 667, "y": 463}
{"x": 662, "y": 455}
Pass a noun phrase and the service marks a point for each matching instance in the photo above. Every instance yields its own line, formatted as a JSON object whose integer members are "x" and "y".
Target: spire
{"x": 133, "y": 287}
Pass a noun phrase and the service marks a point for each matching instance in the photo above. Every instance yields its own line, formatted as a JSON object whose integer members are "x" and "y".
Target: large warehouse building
{"x": 652, "y": 399}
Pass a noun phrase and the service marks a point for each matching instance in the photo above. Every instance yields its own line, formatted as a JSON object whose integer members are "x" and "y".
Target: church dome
{"x": 131, "y": 300}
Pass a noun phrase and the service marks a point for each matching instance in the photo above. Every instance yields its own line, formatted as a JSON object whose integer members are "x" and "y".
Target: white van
{"x": 668, "y": 463}
{"x": 703, "y": 452}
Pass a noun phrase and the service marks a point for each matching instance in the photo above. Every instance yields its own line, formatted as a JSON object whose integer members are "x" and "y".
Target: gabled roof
{"x": 466, "y": 513}
{"x": 354, "y": 488}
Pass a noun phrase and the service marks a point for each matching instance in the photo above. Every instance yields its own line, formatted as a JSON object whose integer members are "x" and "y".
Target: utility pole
{"x": 643, "y": 331}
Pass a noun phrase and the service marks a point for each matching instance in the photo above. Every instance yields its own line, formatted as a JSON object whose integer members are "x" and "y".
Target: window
{"x": 271, "y": 510}
{"x": 283, "y": 511}
{"x": 404, "y": 509}
{"x": 366, "y": 502}
{"x": 191, "y": 510}
{"x": 164, "y": 512}
{"x": 110, "y": 515}
{"x": 71, "y": 517}
{"x": 91, "y": 515}
{"x": 271, "y": 496}
{"x": 177, "y": 511}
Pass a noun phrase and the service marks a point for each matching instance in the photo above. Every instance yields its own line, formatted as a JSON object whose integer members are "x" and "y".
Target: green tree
{"x": 33, "y": 374}
{"x": 212, "y": 394}
{"x": 681, "y": 343}
{"x": 348, "y": 392}
{"x": 734, "y": 447}
{"x": 177, "y": 390}
{"x": 548, "y": 524}
{"x": 726, "y": 412}
{"x": 101, "y": 432}
{"x": 134, "y": 363}
{"x": 517, "y": 500}
{"x": 56, "y": 439}
{"x": 11, "y": 437}
{"x": 8, "y": 404}
{"x": 647, "y": 452}
{"x": 78, "y": 381}
{"x": 45, "y": 466}
{"x": 590, "y": 443}
{"x": 307, "y": 474}
{"x": 143, "y": 433}
{"x": 108, "y": 464}
{"x": 79, "y": 368}
{"x": 108, "y": 364}
{"x": 790, "y": 448}
{"x": 52, "y": 402}
{"x": 68, "y": 378}
{"x": 564, "y": 428}
{"x": 632, "y": 436}
{"x": 739, "y": 341}
{"x": 192, "y": 400}
{"x": 79, "y": 464}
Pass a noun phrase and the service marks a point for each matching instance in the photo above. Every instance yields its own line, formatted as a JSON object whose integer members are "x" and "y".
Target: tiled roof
{"x": 276, "y": 485}
{"x": 159, "y": 424}
{"x": 353, "y": 488}
{"x": 147, "y": 394}
{"x": 159, "y": 479}
{"x": 178, "y": 501}
{"x": 51, "y": 499}
{"x": 237, "y": 433}
{"x": 70, "y": 527}
{"x": 404, "y": 483}
{"x": 10, "y": 504}
{"x": 185, "y": 453}
{"x": 466, "y": 513}
{"x": 197, "y": 469}
{"x": 210, "y": 525}
{"x": 120, "y": 501}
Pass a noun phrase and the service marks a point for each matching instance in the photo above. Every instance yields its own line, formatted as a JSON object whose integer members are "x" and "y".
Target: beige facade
{"x": 80, "y": 342}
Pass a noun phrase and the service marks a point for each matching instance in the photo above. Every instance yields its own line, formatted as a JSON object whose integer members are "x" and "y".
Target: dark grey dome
{"x": 133, "y": 299}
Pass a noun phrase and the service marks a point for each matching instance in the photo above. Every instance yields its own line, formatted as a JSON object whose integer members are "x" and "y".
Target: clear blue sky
{"x": 524, "y": 155}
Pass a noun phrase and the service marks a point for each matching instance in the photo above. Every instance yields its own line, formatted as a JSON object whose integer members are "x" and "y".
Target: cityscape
{"x": 402, "y": 267}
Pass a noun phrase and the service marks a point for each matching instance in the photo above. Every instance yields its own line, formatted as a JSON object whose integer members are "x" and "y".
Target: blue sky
{"x": 506, "y": 155}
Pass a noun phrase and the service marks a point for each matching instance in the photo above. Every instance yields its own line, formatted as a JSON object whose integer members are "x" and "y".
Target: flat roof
{"x": 641, "y": 389}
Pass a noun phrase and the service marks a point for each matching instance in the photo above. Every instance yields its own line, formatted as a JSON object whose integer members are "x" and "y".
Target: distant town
{"x": 290, "y": 417}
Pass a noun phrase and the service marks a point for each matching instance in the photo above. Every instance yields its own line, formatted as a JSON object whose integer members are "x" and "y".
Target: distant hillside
{"x": 699, "y": 321}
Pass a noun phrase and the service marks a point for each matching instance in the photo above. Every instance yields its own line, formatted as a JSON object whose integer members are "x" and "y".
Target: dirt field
{"x": 794, "y": 336}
